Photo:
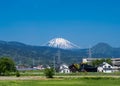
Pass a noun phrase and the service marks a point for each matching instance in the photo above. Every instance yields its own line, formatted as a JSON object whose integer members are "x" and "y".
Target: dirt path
{"x": 22, "y": 78}
{"x": 44, "y": 78}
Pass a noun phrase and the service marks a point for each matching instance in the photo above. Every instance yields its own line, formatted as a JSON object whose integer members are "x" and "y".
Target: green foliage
{"x": 98, "y": 62}
{"x": 109, "y": 61}
{"x": 7, "y": 66}
{"x": 77, "y": 66}
{"x": 17, "y": 74}
{"x": 49, "y": 72}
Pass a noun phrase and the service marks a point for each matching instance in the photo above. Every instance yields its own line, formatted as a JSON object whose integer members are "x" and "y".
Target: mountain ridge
{"x": 25, "y": 54}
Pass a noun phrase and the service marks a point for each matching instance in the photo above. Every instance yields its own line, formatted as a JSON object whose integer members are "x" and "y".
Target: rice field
{"x": 98, "y": 81}
{"x": 37, "y": 78}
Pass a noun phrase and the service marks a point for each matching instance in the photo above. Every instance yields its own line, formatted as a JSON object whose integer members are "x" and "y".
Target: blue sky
{"x": 84, "y": 22}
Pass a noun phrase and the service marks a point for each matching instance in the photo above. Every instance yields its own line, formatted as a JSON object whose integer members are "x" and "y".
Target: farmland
{"x": 63, "y": 82}
{"x": 37, "y": 78}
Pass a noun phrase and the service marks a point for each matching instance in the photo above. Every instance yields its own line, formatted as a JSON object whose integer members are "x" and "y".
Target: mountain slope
{"x": 24, "y": 54}
{"x": 105, "y": 50}
{"x": 102, "y": 48}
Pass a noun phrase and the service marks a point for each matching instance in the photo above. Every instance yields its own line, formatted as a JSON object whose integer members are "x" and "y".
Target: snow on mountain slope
{"x": 61, "y": 43}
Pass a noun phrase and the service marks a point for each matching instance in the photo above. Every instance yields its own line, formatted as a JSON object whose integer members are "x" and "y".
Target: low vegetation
{"x": 49, "y": 72}
{"x": 17, "y": 74}
{"x": 45, "y": 78}
{"x": 64, "y": 82}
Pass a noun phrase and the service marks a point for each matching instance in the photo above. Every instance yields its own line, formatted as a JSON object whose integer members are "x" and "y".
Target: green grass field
{"x": 64, "y": 82}
{"x": 37, "y": 78}
{"x": 40, "y": 73}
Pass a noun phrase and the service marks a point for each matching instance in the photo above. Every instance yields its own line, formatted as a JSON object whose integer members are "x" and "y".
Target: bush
{"x": 17, "y": 74}
{"x": 49, "y": 72}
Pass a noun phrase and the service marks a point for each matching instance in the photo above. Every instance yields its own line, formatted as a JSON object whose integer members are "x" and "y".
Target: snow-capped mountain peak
{"x": 61, "y": 43}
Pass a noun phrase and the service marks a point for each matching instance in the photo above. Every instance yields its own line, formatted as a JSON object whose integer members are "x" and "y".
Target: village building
{"x": 40, "y": 67}
{"x": 115, "y": 61}
{"x": 64, "y": 69}
{"x": 105, "y": 68}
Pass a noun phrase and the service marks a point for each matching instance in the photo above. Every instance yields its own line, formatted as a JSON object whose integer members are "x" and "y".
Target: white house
{"x": 84, "y": 60}
{"x": 40, "y": 67}
{"x": 105, "y": 68}
{"x": 64, "y": 69}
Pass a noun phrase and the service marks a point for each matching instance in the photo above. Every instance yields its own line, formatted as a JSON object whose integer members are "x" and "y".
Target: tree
{"x": 109, "y": 61}
{"x": 7, "y": 66}
{"x": 98, "y": 62}
{"x": 49, "y": 72}
{"x": 74, "y": 68}
{"x": 77, "y": 66}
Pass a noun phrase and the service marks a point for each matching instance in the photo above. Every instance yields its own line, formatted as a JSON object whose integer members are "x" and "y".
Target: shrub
{"x": 17, "y": 74}
{"x": 49, "y": 72}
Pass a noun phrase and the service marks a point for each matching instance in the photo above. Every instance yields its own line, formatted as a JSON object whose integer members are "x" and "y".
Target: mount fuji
{"x": 61, "y": 43}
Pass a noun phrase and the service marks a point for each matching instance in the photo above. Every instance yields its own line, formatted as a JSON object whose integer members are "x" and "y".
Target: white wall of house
{"x": 84, "y": 60}
{"x": 64, "y": 69}
{"x": 107, "y": 71}
{"x": 105, "y": 68}
{"x": 100, "y": 69}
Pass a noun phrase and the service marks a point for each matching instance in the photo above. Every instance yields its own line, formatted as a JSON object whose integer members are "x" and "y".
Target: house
{"x": 88, "y": 68}
{"x": 73, "y": 68}
{"x": 64, "y": 69}
{"x": 83, "y": 67}
{"x": 105, "y": 68}
{"x": 115, "y": 61}
{"x": 40, "y": 67}
{"x": 24, "y": 68}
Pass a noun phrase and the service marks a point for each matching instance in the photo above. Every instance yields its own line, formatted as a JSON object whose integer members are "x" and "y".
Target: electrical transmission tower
{"x": 57, "y": 61}
{"x": 90, "y": 53}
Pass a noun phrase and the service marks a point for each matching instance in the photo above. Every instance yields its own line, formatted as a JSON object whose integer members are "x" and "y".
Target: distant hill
{"x": 105, "y": 50}
{"x": 29, "y": 55}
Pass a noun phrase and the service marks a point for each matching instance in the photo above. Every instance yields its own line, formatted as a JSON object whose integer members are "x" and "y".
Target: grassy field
{"x": 37, "y": 78}
{"x": 64, "y": 82}
{"x": 40, "y": 73}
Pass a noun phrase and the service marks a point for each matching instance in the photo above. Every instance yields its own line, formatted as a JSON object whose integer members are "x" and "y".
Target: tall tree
{"x": 7, "y": 66}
